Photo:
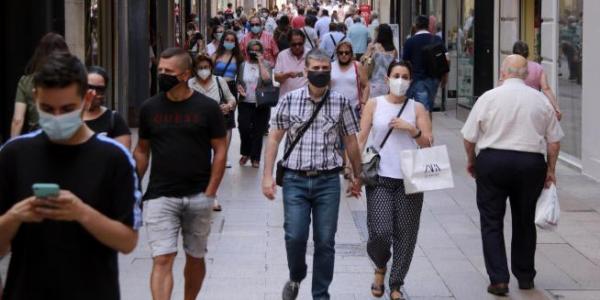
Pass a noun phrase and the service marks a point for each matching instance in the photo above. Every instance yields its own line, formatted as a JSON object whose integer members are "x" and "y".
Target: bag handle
{"x": 308, "y": 38}
{"x": 391, "y": 129}
{"x": 221, "y": 94}
{"x": 358, "y": 84}
{"x": 288, "y": 152}
{"x": 226, "y": 65}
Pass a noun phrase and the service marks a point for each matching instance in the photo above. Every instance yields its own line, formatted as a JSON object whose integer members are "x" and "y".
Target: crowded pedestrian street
{"x": 300, "y": 149}
{"x": 246, "y": 252}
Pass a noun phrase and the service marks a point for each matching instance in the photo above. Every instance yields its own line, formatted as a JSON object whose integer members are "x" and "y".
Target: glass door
{"x": 465, "y": 53}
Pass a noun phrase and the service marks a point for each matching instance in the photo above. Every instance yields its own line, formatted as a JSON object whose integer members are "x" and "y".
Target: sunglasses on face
{"x": 100, "y": 90}
{"x": 340, "y": 53}
{"x": 296, "y": 44}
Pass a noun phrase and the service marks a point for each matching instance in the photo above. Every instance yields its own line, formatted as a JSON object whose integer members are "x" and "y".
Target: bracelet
{"x": 418, "y": 135}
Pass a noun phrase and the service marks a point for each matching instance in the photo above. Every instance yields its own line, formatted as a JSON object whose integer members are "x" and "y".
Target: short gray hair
{"x": 317, "y": 54}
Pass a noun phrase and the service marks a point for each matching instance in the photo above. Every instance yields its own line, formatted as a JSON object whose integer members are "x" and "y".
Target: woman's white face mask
{"x": 399, "y": 86}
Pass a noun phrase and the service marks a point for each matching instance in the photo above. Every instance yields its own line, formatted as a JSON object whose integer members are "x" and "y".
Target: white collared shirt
{"x": 512, "y": 116}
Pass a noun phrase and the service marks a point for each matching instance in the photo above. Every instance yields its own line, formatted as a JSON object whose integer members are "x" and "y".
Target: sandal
{"x": 217, "y": 207}
{"x": 243, "y": 160}
{"x": 401, "y": 297}
{"x": 378, "y": 291}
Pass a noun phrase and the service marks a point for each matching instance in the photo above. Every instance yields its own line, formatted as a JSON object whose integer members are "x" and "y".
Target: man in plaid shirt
{"x": 311, "y": 183}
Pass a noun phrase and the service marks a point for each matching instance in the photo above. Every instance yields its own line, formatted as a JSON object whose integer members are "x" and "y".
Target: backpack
{"x": 434, "y": 59}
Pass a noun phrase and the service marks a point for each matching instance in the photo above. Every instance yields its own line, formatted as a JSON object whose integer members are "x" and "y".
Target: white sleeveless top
{"x": 398, "y": 141}
{"x": 345, "y": 83}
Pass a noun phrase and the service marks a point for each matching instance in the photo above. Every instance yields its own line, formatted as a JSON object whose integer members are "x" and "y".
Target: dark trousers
{"x": 519, "y": 176}
{"x": 252, "y": 123}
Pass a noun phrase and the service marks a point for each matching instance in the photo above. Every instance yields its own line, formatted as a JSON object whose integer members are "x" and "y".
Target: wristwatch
{"x": 418, "y": 135}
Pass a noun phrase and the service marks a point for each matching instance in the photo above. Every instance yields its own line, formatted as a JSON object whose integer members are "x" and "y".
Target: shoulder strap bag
{"x": 267, "y": 95}
{"x": 371, "y": 157}
{"x": 280, "y": 169}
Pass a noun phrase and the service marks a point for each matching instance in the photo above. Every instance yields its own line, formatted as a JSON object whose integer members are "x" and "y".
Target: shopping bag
{"x": 547, "y": 210}
{"x": 426, "y": 169}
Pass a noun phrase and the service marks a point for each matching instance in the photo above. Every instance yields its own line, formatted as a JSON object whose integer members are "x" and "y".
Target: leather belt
{"x": 314, "y": 173}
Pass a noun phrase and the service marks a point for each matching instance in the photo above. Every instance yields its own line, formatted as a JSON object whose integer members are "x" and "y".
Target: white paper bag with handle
{"x": 547, "y": 210}
{"x": 426, "y": 169}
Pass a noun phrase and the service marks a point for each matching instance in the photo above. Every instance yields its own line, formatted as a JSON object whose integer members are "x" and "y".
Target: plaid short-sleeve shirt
{"x": 319, "y": 148}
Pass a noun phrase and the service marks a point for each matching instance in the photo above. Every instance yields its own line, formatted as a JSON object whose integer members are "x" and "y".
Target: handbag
{"x": 267, "y": 95}
{"x": 547, "y": 210}
{"x": 280, "y": 168}
{"x": 371, "y": 158}
{"x": 426, "y": 169}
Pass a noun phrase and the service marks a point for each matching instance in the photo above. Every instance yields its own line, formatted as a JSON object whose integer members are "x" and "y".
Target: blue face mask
{"x": 256, "y": 29}
{"x": 60, "y": 128}
{"x": 228, "y": 45}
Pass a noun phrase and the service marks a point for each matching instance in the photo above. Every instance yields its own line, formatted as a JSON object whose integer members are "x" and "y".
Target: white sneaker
{"x": 228, "y": 164}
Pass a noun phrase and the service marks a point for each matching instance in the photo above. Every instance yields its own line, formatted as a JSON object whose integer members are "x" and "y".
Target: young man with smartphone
{"x": 65, "y": 240}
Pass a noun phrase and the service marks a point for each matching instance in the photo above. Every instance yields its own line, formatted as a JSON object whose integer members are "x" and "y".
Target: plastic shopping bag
{"x": 547, "y": 210}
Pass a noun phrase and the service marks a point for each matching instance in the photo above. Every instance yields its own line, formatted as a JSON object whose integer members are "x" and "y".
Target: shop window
{"x": 569, "y": 74}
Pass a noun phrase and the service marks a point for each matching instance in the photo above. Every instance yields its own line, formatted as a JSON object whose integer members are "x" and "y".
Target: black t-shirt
{"x": 109, "y": 123}
{"x": 57, "y": 259}
{"x": 179, "y": 134}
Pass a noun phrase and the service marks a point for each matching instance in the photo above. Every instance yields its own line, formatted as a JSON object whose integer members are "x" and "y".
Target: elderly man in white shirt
{"x": 513, "y": 126}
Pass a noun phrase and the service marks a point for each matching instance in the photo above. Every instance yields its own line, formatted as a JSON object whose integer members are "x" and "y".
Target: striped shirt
{"x": 319, "y": 149}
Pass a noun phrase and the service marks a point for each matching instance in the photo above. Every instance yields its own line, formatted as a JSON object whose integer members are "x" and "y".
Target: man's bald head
{"x": 514, "y": 66}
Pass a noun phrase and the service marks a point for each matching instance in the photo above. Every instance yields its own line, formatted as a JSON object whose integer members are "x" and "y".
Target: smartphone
{"x": 45, "y": 190}
{"x": 300, "y": 74}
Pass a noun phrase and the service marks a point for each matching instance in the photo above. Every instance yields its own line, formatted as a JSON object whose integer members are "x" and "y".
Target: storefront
{"x": 470, "y": 47}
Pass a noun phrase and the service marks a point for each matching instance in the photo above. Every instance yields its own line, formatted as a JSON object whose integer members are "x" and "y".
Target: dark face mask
{"x": 319, "y": 78}
{"x": 167, "y": 82}
{"x": 253, "y": 56}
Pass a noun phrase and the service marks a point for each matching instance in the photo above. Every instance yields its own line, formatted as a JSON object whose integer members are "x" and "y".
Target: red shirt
{"x": 298, "y": 22}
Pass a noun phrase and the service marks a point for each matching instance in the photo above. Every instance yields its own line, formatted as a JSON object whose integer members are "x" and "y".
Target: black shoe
{"x": 290, "y": 290}
{"x": 499, "y": 289}
{"x": 526, "y": 285}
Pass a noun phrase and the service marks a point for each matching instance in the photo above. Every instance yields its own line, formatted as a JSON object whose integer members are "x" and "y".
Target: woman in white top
{"x": 392, "y": 215}
{"x": 217, "y": 33}
{"x": 215, "y": 88}
{"x": 253, "y": 120}
{"x": 348, "y": 77}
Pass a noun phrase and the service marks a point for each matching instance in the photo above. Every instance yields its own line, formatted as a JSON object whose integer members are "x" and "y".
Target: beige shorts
{"x": 165, "y": 216}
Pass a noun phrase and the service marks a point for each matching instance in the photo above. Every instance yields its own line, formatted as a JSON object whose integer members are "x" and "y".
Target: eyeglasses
{"x": 98, "y": 88}
{"x": 296, "y": 44}
{"x": 340, "y": 53}
{"x": 255, "y": 24}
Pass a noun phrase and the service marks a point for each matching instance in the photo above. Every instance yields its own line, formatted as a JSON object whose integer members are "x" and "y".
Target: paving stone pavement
{"x": 246, "y": 252}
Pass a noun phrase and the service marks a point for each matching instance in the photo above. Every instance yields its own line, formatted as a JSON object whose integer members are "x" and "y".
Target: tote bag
{"x": 426, "y": 169}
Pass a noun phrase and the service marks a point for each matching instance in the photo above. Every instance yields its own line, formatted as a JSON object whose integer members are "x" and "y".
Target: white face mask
{"x": 203, "y": 74}
{"x": 399, "y": 86}
{"x": 62, "y": 127}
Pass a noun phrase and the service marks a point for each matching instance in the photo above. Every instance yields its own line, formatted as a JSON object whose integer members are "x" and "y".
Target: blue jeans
{"x": 319, "y": 195}
{"x": 424, "y": 91}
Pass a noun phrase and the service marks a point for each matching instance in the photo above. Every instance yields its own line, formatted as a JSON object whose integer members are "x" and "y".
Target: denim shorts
{"x": 165, "y": 216}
